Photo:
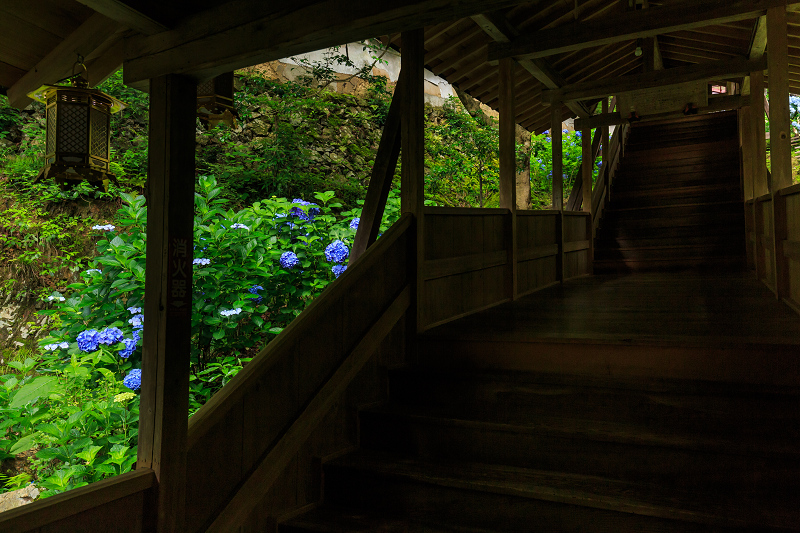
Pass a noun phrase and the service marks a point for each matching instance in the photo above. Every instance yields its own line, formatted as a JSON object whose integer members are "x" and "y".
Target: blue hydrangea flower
{"x": 231, "y": 312}
{"x": 133, "y": 380}
{"x": 135, "y": 310}
{"x": 136, "y": 336}
{"x": 254, "y": 290}
{"x": 336, "y": 252}
{"x": 354, "y": 223}
{"x": 105, "y": 227}
{"x": 338, "y": 269}
{"x": 299, "y": 212}
{"x": 110, "y": 336}
{"x": 91, "y": 270}
{"x": 88, "y": 340}
{"x": 201, "y": 261}
{"x": 289, "y": 260}
{"x": 239, "y": 226}
{"x": 136, "y": 320}
{"x": 130, "y": 347}
{"x": 56, "y": 297}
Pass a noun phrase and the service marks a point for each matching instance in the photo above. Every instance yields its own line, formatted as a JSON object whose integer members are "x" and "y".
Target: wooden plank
{"x": 529, "y": 254}
{"x": 758, "y": 45}
{"x": 575, "y": 246}
{"x": 55, "y": 16}
{"x": 791, "y": 250}
{"x": 614, "y": 86}
{"x": 255, "y": 487}
{"x": 779, "y": 119}
{"x": 631, "y": 25}
{"x": 60, "y": 60}
{"x": 126, "y": 15}
{"x": 380, "y": 182}
{"x": 464, "y": 263}
{"x": 256, "y": 32}
{"x": 68, "y": 504}
{"x": 168, "y": 296}
{"x": 587, "y": 164}
{"x": 466, "y": 211}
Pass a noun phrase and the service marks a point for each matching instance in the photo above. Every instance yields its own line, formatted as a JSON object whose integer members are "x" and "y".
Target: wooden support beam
{"x": 59, "y": 62}
{"x": 497, "y": 27}
{"x": 380, "y": 182}
{"x": 558, "y": 162}
{"x": 758, "y": 123}
{"x": 256, "y": 32}
{"x": 126, "y": 16}
{"x": 779, "y": 118}
{"x": 587, "y": 162}
{"x": 164, "y": 407}
{"x": 632, "y": 25}
{"x": 614, "y": 86}
{"x": 758, "y": 45}
{"x": 716, "y": 103}
{"x": 508, "y": 169}
{"x": 412, "y": 173}
{"x": 747, "y": 143}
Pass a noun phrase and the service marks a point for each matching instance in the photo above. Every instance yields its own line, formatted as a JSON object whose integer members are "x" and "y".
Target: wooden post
{"x": 164, "y": 408}
{"x": 380, "y": 182}
{"x": 748, "y": 141}
{"x": 587, "y": 162}
{"x": 508, "y": 167}
{"x": 779, "y": 119}
{"x": 760, "y": 186}
{"x": 558, "y": 164}
{"x": 606, "y": 151}
{"x": 412, "y": 135}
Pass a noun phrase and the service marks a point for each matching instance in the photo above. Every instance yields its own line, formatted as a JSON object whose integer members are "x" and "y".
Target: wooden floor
{"x": 719, "y": 326}
{"x": 685, "y": 307}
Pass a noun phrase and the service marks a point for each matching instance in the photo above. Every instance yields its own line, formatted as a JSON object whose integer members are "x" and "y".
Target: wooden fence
{"x": 773, "y": 236}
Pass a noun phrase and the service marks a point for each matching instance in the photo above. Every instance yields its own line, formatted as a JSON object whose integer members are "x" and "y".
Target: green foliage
{"x": 542, "y": 165}
{"x": 462, "y": 159}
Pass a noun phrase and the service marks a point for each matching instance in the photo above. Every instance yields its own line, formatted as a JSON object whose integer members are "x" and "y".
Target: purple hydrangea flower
{"x": 289, "y": 260}
{"x": 133, "y": 380}
{"x": 136, "y": 321}
{"x": 110, "y": 336}
{"x": 299, "y": 212}
{"x": 354, "y": 223}
{"x": 254, "y": 290}
{"x": 88, "y": 340}
{"x": 338, "y": 269}
{"x": 130, "y": 347}
{"x": 336, "y": 252}
{"x": 135, "y": 310}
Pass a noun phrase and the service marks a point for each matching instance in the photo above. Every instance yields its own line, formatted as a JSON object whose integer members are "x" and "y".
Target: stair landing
{"x": 701, "y": 325}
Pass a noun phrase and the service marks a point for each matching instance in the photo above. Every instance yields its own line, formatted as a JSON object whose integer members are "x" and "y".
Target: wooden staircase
{"x": 676, "y": 200}
{"x": 551, "y": 413}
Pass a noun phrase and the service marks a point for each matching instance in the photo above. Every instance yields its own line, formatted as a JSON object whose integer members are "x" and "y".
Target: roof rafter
{"x": 631, "y": 25}
{"x": 126, "y": 15}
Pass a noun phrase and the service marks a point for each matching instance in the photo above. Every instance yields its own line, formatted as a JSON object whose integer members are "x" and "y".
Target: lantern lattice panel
{"x": 51, "y": 130}
{"x": 99, "y": 142}
{"x": 72, "y": 126}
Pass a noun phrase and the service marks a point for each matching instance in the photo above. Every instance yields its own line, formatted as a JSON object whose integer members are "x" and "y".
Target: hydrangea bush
{"x": 254, "y": 270}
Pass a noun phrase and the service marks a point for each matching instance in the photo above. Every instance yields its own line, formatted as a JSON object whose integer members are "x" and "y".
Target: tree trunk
{"x": 524, "y": 147}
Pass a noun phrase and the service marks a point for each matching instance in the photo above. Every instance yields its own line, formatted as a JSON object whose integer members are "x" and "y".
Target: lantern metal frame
{"x": 215, "y": 101}
{"x": 78, "y": 137}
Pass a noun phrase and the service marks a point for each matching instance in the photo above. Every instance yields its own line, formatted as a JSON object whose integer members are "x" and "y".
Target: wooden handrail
{"x": 600, "y": 194}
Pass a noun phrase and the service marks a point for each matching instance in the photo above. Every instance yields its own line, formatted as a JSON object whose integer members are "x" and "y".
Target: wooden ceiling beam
{"x": 501, "y": 31}
{"x": 658, "y": 78}
{"x": 9, "y": 74}
{"x": 599, "y": 64}
{"x": 59, "y": 62}
{"x": 248, "y": 32}
{"x": 476, "y": 48}
{"x": 126, "y": 16}
{"x": 705, "y": 46}
{"x": 692, "y": 55}
{"x": 450, "y": 45}
{"x": 632, "y": 25}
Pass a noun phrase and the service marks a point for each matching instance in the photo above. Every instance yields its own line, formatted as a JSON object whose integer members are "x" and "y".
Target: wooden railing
{"x": 117, "y": 504}
{"x": 601, "y": 194}
{"x": 773, "y": 236}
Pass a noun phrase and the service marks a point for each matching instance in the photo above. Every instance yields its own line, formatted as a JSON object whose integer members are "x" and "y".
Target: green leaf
{"x": 220, "y": 333}
{"x": 88, "y": 454}
{"x": 34, "y": 390}
{"x": 23, "y": 445}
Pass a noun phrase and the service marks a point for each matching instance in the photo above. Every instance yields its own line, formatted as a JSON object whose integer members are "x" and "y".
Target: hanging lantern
{"x": 215, "y": 101}
{"x": 78, "y": 139}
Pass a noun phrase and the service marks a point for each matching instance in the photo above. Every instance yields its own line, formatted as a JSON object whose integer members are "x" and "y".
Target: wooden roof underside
{"x": 40, "y": 40}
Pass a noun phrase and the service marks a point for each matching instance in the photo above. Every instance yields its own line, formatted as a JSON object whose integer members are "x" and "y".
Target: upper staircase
{"x": 676, "y": 200}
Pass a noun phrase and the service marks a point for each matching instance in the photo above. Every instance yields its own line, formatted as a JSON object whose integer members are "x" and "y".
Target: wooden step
{"x": 502, "y": 498}
{"x": 626, "y": 198}
{"x": 330, "y": 519}
{"x": 725, "y": 227}
{"x": 711, "y": 250}
{"x": 701, "y": 237}
{"x": 686, "y": 460}
{"x": 703, "y": 263}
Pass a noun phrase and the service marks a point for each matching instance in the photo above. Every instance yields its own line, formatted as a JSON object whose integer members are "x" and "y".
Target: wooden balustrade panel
{"x": 466, "y": 257}
{"x": 121, "y": 504}
{"x": 577, "y": 245}
{"x": 537, "y": 250}
{"x": 766, "y": 246}
{"x": 750, "y": 233}
{"x": 791, "y": 246}
{"x": 231, "y": 434}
